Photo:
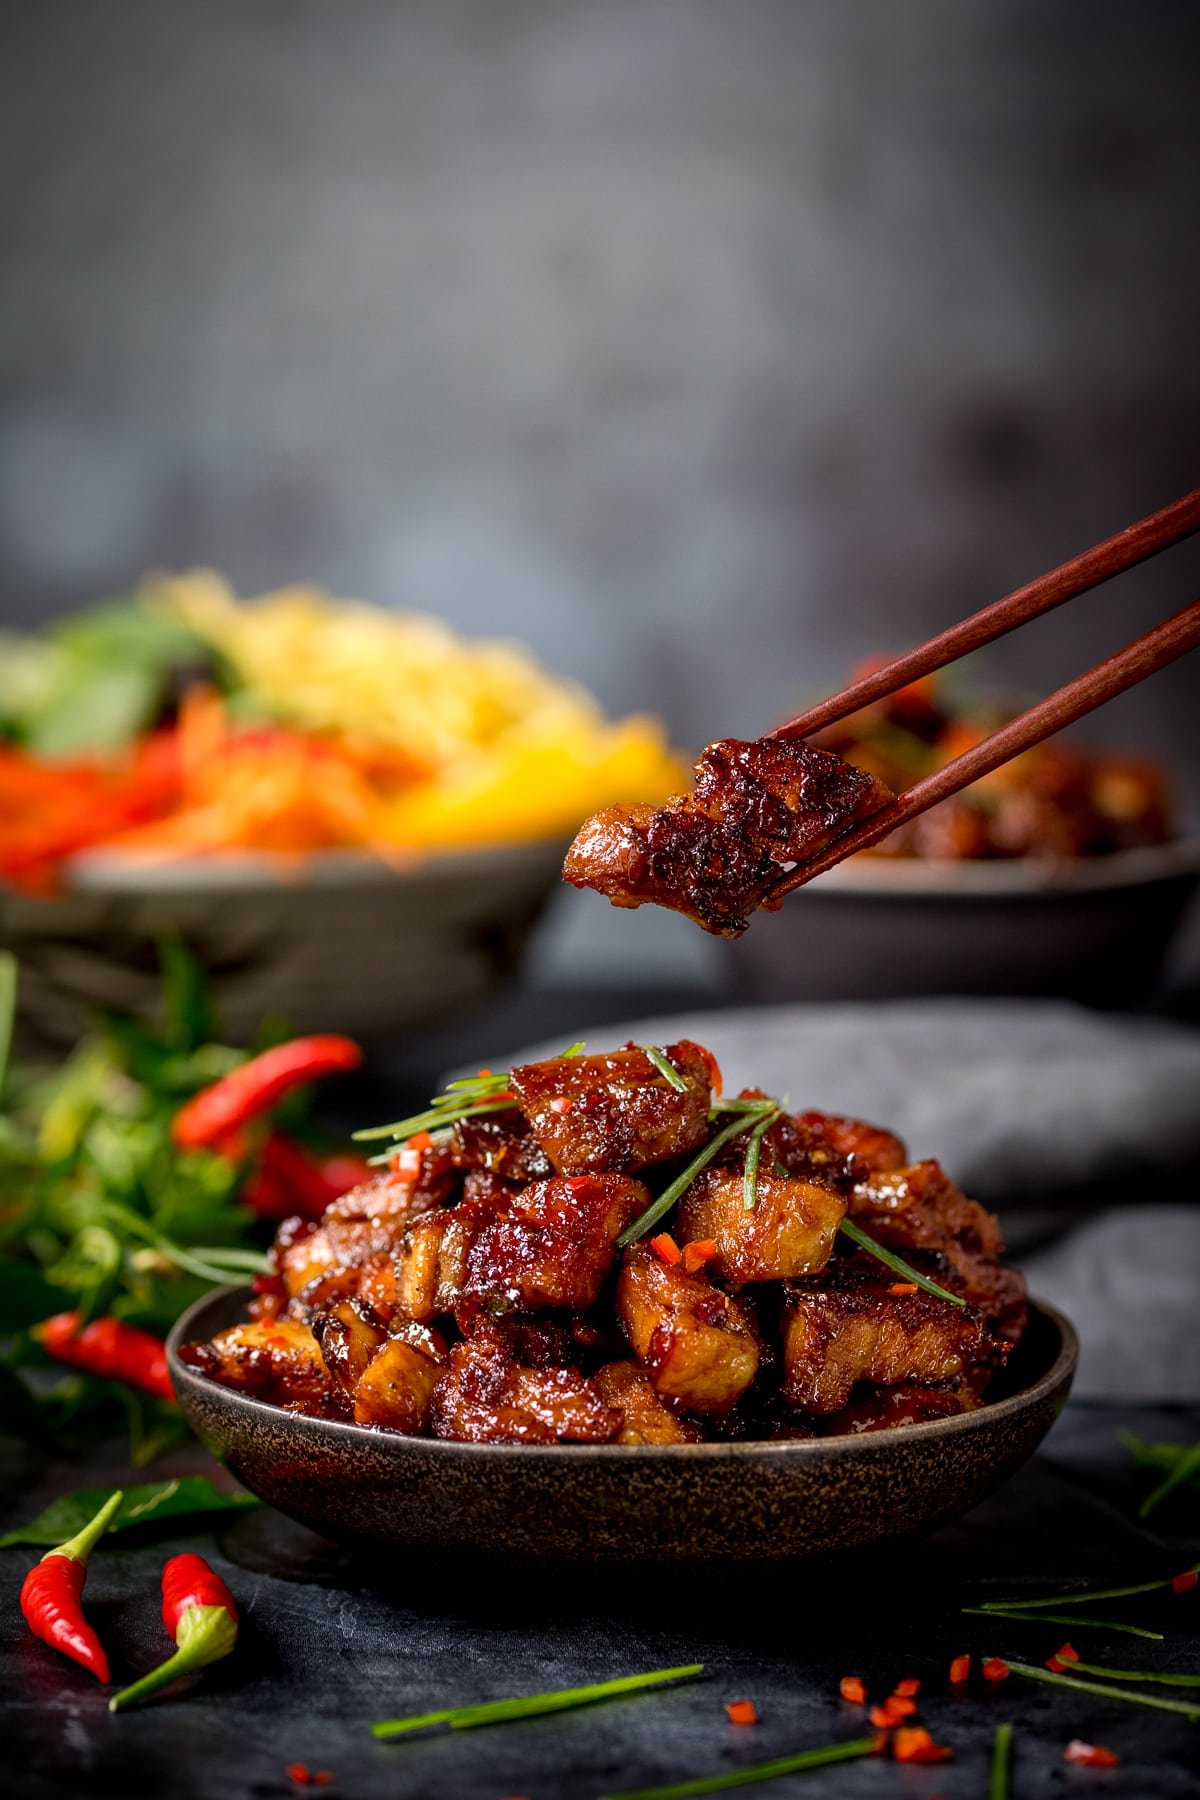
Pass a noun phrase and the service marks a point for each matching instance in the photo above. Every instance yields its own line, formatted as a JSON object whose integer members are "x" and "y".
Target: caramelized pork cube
{"x": 502, "y": 1145}
{"x": 485, "y": 1397}
{"x": 869, "y": 1149}
{"x": 431, "y": 1262}
{"x": 919, "y": 1208}
{"x": 348, "y": 1338}
{"x": 883, "y": 1409}
{"x": 618, "y": 1113}
{"x": 791, "y": 1231}
{"x": 757, "y": 808}
{"x": 556, "y": 1243}
{"x": 396, "y": 1386}
{"x": 357, "y": 1226}
{"x": 697, "y": 1344}
{"x": 277, "y": 1360}
{"x": 646, "y": 1419}
{"x": 838, "y": 1335}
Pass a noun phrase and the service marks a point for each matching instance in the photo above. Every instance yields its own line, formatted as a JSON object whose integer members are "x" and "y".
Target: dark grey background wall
{"x": 706, "y": 345}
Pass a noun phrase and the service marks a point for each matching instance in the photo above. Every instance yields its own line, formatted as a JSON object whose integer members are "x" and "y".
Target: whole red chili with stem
{"x": 50, "y": 1594}
{"x": 110, "y": 1348}
{"x": 244, "y": 1093}
{"x": 199, "y": 1612}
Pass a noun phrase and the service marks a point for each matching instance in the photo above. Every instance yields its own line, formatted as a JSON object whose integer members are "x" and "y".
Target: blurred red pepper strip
{"x": 200, "y": 1614}
{"x": 109, "y": 1348}
{"x": 229, "y": 1103}
{"x": 288, "y": 1180}
{"x": 51, "y": 1593}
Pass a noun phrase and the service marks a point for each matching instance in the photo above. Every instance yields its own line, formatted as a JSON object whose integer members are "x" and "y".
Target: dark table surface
{"x": 332, "y": 1640}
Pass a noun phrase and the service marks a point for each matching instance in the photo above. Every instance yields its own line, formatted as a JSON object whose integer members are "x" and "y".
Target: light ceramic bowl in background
{"x": 340, "y": 941}
{"x": 1096, "y": 930}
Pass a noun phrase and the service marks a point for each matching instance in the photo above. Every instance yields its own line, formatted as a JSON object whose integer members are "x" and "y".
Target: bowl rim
{"x": 1057, "y": 1375}
{"x": 901, "y": 877}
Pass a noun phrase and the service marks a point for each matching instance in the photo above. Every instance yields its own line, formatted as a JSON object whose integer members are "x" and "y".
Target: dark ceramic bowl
{"x": 621, "y": 1503}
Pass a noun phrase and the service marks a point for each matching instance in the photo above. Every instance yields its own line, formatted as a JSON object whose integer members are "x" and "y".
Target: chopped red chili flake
{"x": 665, "y": 1247}
{"x": 903, "y": 1287}
{"x": 906, "y": 1689}
{"x": 560, "y": 1104}
{"x": 300, "y": 1773}
{"x": 1183, "y": 1584}
{"x": 485, "y": 1073}
{"x": 895, "y": 1708}
{"x": 420, "y": 1140}
{"x": 1090, "y": 1756}
{"x": 1067, "y": 1653}
{"x": 697, "y": 1253}
{"x": 1055, "y": 1667}
{"x": 960, "y": 1670}
{"x": 913, "y": 1744}
{"x": 854, "y": 1689}
{"x": 996, "y": 1669}
{"x": 742, "y": 1712}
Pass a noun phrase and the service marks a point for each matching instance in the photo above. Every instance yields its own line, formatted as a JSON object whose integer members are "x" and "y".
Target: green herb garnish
{"x": 754, "y": 1772}
{"x": 998, "y": 1784}
{"x": 751, "y": 1111}
{"x": 1032, "y": 1673}
{"x": 1185, "y": 1469}
{"x": 895, "y": 1263}
{"x": 144, "y": 1505}
{"x": 1085, "y": 1595}
{"x": 753, "y": 1153}
{"x": 1057, "y": 1618}
{"x": 665, "y": 1067}
{"x": 1083, "y": 1668}
{"x": 529, "y": 1706}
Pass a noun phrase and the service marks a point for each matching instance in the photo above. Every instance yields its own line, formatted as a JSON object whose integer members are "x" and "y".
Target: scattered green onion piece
{"x": 529, "y": 1706}
{"x": 1083, "y": 1596}
{"x": 8, "y": 1007}
{"x": 437, "y": 1118}
{"x": 752, "y": 1772}
{"x": 1032, "y": 1673}
{"x": 665, "y": 1067}
{"x": 1187, "y": 1466}
{"x": 753, "y": 1153}
{"x": 1083, "y": 1668}
{"x": 1055, "y": 1618}
{"x": 998, "y": 1786}
{"x": 897, "y": 1264}
{"x": 677, "y": 1188}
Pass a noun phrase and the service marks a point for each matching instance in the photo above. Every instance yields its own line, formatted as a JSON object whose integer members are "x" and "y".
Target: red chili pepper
{"x": 199, "y": 1612}
{"x": 109, "y": 1348}
{"x": 894, "y": 1709}
{"x": 742, "y": 1712}
{"x": 1091, "y": 1756}
{"x": 665, "y": 1248}
{"x": 254, "y": 1088}
{"x": 903, "y": 1287}
{"x": 854, "y": 1689}
{"x": 288, "y": 1180}
{"x": 1183, "y": 1584}
{"x": 996, "y": 1669}
{"x": 697, "y": 1253}
{"x": 1067, "y": 1653}
{"x": 907, "y": 1689}
{"x": 50, "y": 1594}
{"x": 960, "y": 1670}
{"x": 913, "y": 1744}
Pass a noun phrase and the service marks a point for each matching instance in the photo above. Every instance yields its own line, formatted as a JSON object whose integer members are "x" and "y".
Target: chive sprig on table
{"x": 1000, "y": 1778}
{"x": 778, "y": 1766}
{"x": 1084, "y": 1596}
{"x": 1067, "y": 1618}
{"x": 531, "y": 1706}
{"x": 1158, "y": 1702}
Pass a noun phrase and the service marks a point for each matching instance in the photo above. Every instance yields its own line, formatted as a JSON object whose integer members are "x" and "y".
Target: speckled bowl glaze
{"x": 755, "y": 1501}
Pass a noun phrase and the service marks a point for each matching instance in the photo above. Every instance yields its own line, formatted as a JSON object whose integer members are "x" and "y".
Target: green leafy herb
{"x": 1031, "y": 1672}
{"x": 751, "y": 1773}
{"x": 529, "y": 1706}
{"x": 152, "y": 1502}
{"x": 897, "y": 1264}
{"x": 665, "y": 1067}
{"x": 752, "y": 1110}
{"x": 753, "y": 1153}
{"x": 1084, "y": 1596}
{"x": 1001, "y": 1771}
{"x": 1057, "y": 1618}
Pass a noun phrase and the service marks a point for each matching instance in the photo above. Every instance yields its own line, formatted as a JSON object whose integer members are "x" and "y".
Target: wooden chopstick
{"x": 1124, "y": 669}
{"x": 1134, "y": 545}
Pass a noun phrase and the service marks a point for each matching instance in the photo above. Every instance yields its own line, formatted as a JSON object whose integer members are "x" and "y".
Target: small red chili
{"x": 854, "y": 1689}
{"x": 742, "y": 1712}
{"x": 913, "y": 1744}
{"x": 1183, "y": 1584}
{"x": 996, "y": 1669}
{"x": 244, "y": 1093}
{"x": 199, "y": 1612}
{"x": 906, "y": 1689}
{"x": 1090, "y": 1756}
{"x": 665, "y": 1248}
{"x": 960, "y": 1670}
{"x": 50, "y": 1594}
{"x": 109, "y": 1348}
{"x": 697, "y": 1253}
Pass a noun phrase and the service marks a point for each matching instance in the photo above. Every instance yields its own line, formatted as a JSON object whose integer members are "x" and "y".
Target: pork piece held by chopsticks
{"x": 757, "y": 808}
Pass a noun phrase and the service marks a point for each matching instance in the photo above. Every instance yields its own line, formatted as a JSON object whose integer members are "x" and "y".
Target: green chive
{"x": 1031, "y": 1673}
{"x": 1085, "y": 1595}
{"x": 682, "y": 1183}
{"x": 897, "y": 1264}
{"x": 1187, "y": 1466}
{"x": 753, "y": 1153}
{"x": 665, "y": 1067}
{"x": 437, "y": 1118}
{"x": 1049, "y": 1618}
{"x": 1082, "y": 1668}
{"x": 752, "y": 1772}
{"x": 998, "y": 1786}
{"x": 529, "y": 1706}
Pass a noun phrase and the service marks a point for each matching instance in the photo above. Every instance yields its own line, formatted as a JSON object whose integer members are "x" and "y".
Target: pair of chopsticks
{"x": 1122, "y": 670}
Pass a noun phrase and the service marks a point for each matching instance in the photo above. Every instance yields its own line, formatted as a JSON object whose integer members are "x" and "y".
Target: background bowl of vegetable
{"x": 352, "y": 815}
{"x": 703, "y": 1503}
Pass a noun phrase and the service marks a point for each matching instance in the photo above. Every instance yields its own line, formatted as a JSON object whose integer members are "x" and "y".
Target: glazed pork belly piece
{"x": 367, "y": 1222}
{"x": 757, "y": 807}
{"x": 883, "y": 1409}
{"x": 487, "y": 1397}
{"x": 791, "y": 1231}
{"x": 278, "y": 1360}
{"x": 645, "y": 1416}
{"x": 841, "y": 1331}
{"x": 617, "y": 1113}
{"x": 697, "y": 1344}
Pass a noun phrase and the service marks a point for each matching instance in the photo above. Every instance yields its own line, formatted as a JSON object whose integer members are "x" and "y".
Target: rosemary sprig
{"x": 1083, "y": 1668}
{"x": 998, "y": 1785}
{"x": 665, "y": 1067}
{"x": 530, "y": 1706}
{"x": 1032, "y": 1673}
{"x": 753, "y": 1772}
{"x": 1085, "y": 1595}
{"x": 753, "y": 1153}
{"x": 1055, "y": 1618}
{"x": 675, "y": 1190}
{"x": 897, "y": 1264}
